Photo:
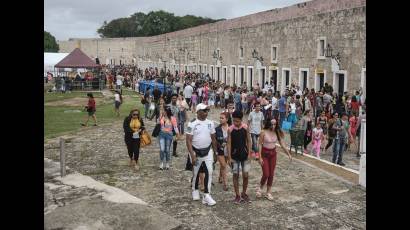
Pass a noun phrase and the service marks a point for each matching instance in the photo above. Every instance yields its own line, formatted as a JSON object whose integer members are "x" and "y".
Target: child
{"x": 194, "y": 101}
{"x": 255, "y": 123}
{"x": 317, "y": 139}
{"x": 238, "y": 154}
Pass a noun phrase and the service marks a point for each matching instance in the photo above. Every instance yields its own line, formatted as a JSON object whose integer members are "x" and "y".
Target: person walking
{"x": 199, "y": 140}
{"x": 175, "y": 113}
{"x": 317, "y": 139}
{"x": 188, "y": 90}
{"x": 307, "y": 122}
{"x": 239, "y": 155}
{"x": 182, "y": 115}
{"x": 331, "y": 133}
{"x": 91, "y": 108}
{"x": 168, "y": 125}
{"x": 270, "y": 135}
{"x": 117, "y": 102}
{"x": 343, "y": 133}
{"x": 255, "y": 124}
{"x": 133, "y": 126}
{"x": 222, "y": 137}
{"x": 147, "y": 100}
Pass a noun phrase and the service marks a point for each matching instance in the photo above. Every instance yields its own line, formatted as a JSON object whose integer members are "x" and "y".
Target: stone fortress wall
{"x": 289, "y": 40}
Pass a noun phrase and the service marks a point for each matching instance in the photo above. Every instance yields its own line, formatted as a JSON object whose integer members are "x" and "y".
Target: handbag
{"x": 286, "y": 125}
{"x": 156, "y": 130}
{"x": 145, "y": 139}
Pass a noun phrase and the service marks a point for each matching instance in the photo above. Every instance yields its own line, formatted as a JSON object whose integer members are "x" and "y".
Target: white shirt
{"x": 256, "y": 119}
{"x": 188, "y": 91}
{"x": 292, "y": 108}
{"x": 200, "y": 91}
{"x": 201, "y": 134}
{"x": 117, "y": 97}
{"x": 299, "y": 92}
{"x": 274, "y": 103}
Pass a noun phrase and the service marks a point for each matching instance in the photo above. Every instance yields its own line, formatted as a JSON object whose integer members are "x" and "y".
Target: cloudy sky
{"x": 81, "y": 18}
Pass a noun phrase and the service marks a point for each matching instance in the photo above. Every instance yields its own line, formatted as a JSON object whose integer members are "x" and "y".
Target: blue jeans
{"x": 165, "y": 141}
{"x": 238, "y": 106}
{"x": 282, "y": 117}
{"x": 255, "y": 138}
{"x": 338, "y": 149}
{"x": 146, "y": 105}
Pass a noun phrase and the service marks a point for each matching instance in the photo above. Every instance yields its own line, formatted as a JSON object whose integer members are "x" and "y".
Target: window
{"x": 241, "y": 52}
{"x": 274, "y": 53}
{"x": 321, "y": 48}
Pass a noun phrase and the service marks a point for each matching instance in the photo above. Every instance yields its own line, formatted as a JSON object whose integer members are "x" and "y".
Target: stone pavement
{"x": 305, "y": 197}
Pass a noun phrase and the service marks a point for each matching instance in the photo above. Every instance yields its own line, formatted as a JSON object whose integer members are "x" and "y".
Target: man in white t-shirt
{"x": 188, "y": 90}
{"x": 119, "y": 82}
{"x": 255, "y": 124}
{"x": 298, "y": 91}
{"x": 201, "y": 144}
{"x": 200, "y": 89}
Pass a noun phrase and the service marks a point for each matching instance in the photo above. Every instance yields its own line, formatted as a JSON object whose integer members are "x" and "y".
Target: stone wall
{"x": 295, "y": 30}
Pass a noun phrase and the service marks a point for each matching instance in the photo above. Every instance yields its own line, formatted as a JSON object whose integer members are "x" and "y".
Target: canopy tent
{"x": 77, "y": 59}
{"x": 50, "y": 59}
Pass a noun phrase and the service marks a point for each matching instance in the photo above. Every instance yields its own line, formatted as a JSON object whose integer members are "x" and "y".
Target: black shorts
{"x": 90, "y": 113}
{"x": 117, "y": 104}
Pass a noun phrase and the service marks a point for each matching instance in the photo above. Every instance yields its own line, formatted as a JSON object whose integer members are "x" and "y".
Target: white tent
{"x": 50, "y": 59}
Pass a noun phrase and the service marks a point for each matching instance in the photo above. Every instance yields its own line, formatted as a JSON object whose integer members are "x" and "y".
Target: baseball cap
{"x": 201, "y": 106}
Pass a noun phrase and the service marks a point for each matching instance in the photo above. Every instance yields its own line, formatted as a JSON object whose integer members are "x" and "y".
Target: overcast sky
{"x": 81, "y": 18}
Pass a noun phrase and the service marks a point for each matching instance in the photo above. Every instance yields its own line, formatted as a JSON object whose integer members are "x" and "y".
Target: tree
{"x": 50, "y": 44}
{"x": 153, "y": 23}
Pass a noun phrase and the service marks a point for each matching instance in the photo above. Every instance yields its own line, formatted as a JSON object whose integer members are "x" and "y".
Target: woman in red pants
{"x": 270, "y": 135}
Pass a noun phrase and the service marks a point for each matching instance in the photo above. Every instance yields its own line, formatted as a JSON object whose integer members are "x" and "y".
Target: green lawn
{"x": 48, "y": 97}
{"x": 57, "y": 122}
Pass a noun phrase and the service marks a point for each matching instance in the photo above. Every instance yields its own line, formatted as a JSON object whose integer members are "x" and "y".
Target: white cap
{"x": 201, "y": 106}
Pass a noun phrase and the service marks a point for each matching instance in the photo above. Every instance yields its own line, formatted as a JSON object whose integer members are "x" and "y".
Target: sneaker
{"x": 161, "y": 165}
{"x": 207, "y": 199}
{"x": 237, "y": 199}
{"x": 195, "y": 195}
{"x": 175, "y": 155}
{"x": 245, "y": 198}
{"x": 167, "y": 166}
{"x": 342, "y": 164}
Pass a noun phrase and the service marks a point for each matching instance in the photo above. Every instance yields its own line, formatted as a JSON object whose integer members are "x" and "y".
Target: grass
{"x": 48, "y": 97}
{"x": 57, "y": 122}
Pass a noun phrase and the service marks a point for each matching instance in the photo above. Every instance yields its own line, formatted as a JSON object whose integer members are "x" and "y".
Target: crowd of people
{"x": 325, "y": 117}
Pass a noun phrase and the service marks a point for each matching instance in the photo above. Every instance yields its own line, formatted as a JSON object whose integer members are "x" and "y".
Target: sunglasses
{"x": 204, "y": 110}
{"x": 135, "y": 114}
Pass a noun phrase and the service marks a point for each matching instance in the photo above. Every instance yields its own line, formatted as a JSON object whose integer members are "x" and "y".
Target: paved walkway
{"x": 305, "y": 197}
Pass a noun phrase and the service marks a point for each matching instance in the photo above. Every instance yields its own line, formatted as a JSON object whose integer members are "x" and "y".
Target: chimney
{"x": 78, "y": 44}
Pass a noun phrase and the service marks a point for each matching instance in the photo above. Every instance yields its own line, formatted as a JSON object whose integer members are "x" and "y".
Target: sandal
{"x": 225, "y": 188}
{"x": 258, "y": 193}
{"x": 220, "y": 180}
{"x": 269, "y": 196}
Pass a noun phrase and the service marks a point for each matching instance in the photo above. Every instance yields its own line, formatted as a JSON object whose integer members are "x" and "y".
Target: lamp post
{"x": 328, "y": 54}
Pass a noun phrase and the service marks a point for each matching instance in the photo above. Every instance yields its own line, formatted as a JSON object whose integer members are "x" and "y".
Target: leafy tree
{"x": 153, "y": 23}
{"x": 50, "y": 44}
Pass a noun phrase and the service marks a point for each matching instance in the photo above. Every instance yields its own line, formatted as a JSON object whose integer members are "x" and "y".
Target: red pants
{"x": 268, "y": 166}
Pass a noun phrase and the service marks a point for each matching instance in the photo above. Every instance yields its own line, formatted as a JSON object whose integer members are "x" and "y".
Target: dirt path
{"x": 305, "y": 197}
